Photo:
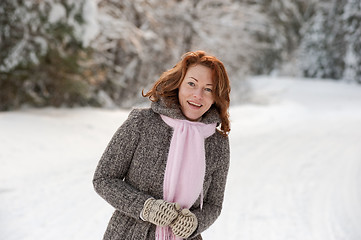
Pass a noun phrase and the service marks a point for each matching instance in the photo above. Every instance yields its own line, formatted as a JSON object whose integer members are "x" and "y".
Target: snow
{"x": 349, "y": 73}
{"x": 295, "y": 167}
{"x": 57, "y": 13}
{"x": 296, "y": 164}
{"x": 91, "y": 29}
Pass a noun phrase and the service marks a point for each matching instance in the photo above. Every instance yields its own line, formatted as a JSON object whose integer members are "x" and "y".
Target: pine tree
{"x": 331, "y": 43}
{"x": 314, "y": 48}
{"x": 351, "y": 18}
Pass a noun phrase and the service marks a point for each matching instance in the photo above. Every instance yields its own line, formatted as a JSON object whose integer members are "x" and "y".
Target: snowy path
{"x": 295, "y": 171}
{"x": 296, "y": 164}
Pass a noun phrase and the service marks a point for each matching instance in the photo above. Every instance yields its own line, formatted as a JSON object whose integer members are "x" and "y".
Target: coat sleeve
{"x": 213, "y": 201}
{"x": 112, "y": 168}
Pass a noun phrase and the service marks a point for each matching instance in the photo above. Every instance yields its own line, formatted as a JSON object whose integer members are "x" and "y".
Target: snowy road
{"x": 295, "y": 168}
{"x": 296, "y": 164}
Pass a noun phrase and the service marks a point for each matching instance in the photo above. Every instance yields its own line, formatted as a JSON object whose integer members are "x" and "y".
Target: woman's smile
{"x": 193, "y": 104}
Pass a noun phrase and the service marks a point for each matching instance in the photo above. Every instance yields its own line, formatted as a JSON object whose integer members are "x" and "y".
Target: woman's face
{"x": 195, "y": 92}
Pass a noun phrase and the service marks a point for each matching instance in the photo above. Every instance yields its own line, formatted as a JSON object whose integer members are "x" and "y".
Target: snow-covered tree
{"x": 43, "y": 53}
{"x": 315, "y": 55}
{"x": 282, "y": 31}
{"x": 332, "y": 39}
{"x": 135, "y": 46}
{"x": 351, "y": 17}
{"x": 104, "y": 52}
{"x": 137, "y": 42}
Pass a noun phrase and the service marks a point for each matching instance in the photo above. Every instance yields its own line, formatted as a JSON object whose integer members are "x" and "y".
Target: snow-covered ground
{"x": 295, "y": 167}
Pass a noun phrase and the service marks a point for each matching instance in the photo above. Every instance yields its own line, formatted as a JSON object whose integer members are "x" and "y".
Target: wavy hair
{"x": 166, "y": 87}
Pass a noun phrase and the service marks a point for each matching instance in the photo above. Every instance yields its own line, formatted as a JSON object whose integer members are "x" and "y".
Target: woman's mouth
{"x": 193, "y": 104}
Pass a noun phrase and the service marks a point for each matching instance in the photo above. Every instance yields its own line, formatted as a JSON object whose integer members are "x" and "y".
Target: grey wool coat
{"x": 131, "y": 170}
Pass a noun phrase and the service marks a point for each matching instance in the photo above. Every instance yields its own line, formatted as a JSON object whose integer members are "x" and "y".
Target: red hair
{"x": 166, "y": 87}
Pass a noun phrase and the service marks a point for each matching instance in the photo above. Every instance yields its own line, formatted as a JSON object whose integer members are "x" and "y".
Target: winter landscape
{"x": 70, "y": 70}
{"x": 295, "y": 167}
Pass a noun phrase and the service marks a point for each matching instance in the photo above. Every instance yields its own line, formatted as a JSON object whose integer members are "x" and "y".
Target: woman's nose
{"x": 198, "y": 93}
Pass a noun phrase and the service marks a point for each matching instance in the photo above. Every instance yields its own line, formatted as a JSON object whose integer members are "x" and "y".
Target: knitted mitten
{"x": 159, "y": 212}
{"x": 185, "y": 224}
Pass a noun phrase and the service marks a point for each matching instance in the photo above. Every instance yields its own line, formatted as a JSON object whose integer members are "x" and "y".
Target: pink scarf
{"x": 185, "y": 170}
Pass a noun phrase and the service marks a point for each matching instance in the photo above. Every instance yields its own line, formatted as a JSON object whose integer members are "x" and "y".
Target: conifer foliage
{"x": 331, "y": 46}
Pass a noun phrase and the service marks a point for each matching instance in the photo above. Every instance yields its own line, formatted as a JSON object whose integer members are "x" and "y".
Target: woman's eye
{"x": 191, "y": 84}
{"x": 208, "y": 89}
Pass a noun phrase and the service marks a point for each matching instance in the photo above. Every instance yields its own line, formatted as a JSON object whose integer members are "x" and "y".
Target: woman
{"x": 165, "y": 169}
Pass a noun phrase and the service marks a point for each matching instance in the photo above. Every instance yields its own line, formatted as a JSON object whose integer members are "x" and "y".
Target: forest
{"x": 102, "y": 53}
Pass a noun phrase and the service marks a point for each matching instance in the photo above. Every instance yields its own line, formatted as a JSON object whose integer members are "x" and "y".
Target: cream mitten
{"x": 185, "y": 224}
{"x": 159, "y": 212}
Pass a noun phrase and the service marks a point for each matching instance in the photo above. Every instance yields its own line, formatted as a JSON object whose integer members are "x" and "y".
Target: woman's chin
{"x": 192, "y": 117}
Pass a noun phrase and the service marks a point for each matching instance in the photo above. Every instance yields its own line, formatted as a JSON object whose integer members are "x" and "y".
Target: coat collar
{"x": 174, "y": 111}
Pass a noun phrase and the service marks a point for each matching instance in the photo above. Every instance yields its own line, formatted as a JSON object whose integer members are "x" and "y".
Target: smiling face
{"x": 195, "y": 92}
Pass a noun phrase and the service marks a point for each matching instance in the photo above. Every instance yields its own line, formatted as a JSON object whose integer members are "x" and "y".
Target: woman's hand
{"x": 185, "y": 224}
{"x": 159, "y": 212}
